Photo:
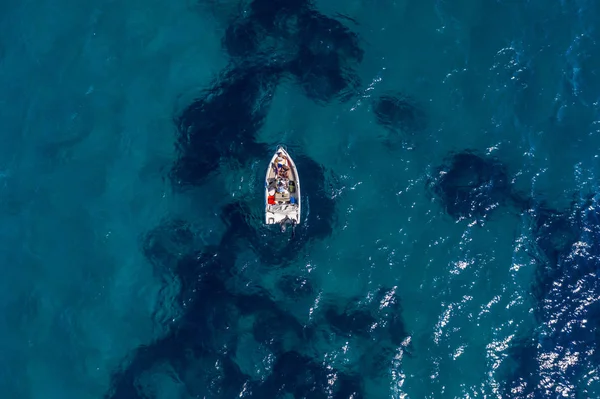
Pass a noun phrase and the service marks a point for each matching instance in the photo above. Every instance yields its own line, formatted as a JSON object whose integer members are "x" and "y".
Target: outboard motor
{"x": 286, "y": 221}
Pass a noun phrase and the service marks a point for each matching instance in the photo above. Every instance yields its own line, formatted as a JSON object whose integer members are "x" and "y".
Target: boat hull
{"x": 286, "y": 205}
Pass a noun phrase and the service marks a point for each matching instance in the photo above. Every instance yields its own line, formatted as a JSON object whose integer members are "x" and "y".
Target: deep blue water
{"x": 448, "y": 151}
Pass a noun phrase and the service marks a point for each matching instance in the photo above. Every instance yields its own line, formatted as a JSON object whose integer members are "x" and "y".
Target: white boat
{"x": 282, "y": 193}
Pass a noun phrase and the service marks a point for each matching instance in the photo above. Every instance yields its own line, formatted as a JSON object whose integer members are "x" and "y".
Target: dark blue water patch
{"x": 578, "y": 237}
{"x": 210, "y": 310}
{"x": 202, "y": 331}
{"x": 237, "y": 216}
{"x": 381, "y": 317}
{"x": 375, "y": 325}
{"x": 520, "y": 372}
{"x": 322, "y": 217}
{"x": 194, "y": 267}
{"x": 165, "y": 244}
{"x": 554, "y": 232}
{"x": 246, "y": 39}
{"x": 470, "y": 186}
{"x": 349, "y": 386}
{"x": 328, "y": 53}
{"x": 350, "y": 321}
{"x": 207, "y": 330}
{"x": 205, "y": 333}
{"x": 566, "y": 288}
{"x": 176, "y": 252}
{"x": 243, "y": 38}
{"x": 302, "y": 377}
{"x": 224, "y": 122}
{"x": 319, "y": 51}
{"x": 323, "y": 77}
{"x": 268, "y": 13}
{"x": 399, "y": 113}
{"x": 325, "y": 36}
{"x": 297, "y": 287}
{"x": 213, "y": 376}
{"x": 245, "y": 230}
{"x": 273, "y": 327}
{"x": 323, "y": 48}
{"x": 390, "y": 315}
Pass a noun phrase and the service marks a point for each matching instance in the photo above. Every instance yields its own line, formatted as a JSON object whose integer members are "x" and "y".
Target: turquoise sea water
{"x": 110, "y": 287}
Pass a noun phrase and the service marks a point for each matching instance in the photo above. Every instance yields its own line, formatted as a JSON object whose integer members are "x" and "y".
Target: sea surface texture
{"x": 449, "y": 161}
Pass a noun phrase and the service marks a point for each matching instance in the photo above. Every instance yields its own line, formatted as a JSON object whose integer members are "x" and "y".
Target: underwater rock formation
{"x": 166, "y": 243}
{"x": 276, "y": 38}
{"x": 327, "y": 54}
{"x": 323, "y": 77}
{"x": 271, "y": 14}
{"x": 520, "y": 370}
{"x": 296, "y": 287}
{"x": 558, "y": 358}
{"x": 554, "y": 234}
{"x": 470, "y": 186}
{"x": 207, "y": 335}
{"x": 399, "y": 113}
{"x": 243, "y": 39}
{"x": 302, "y": 377}
{"x": 201, "y": 333}
{"x": 210, "y": 311}
{"x": 224, "y": 123}
{"x": 320, "y": 52}
{"x": 207, "y": 331}
{"x": 381, "y": 317}
{"x": 376, "y": 328}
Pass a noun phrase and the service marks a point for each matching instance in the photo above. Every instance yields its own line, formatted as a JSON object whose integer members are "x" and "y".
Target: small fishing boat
{"x": 282, "y": 191}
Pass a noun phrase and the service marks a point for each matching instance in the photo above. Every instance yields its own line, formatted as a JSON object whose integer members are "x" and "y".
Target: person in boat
{"x": 281, "y": 165}
{"x": 284, "y": 172}
{"x": 282, "y": 187}
{"x": 281, "y": 159}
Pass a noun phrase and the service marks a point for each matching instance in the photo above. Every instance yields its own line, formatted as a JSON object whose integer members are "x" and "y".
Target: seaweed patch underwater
{"x": 208, "y": 330}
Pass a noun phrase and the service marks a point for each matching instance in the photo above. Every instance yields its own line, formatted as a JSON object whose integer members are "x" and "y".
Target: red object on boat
{"x": 271, "y": 200}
